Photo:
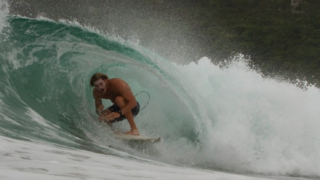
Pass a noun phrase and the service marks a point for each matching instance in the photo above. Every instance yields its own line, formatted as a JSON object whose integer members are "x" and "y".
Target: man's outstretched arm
{"x": 98, "y": 103}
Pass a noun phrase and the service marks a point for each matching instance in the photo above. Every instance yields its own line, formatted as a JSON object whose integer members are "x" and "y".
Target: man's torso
{"x": 112, "y": 91}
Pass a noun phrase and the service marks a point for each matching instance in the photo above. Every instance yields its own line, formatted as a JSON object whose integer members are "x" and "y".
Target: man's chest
{"x": 112, "y": 96}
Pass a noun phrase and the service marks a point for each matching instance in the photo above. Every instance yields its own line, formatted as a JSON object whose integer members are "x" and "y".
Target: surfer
{"x": 118, "y": 91}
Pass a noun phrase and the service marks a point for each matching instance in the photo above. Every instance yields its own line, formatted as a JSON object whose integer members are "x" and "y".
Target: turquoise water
{"x": 209, "y": 117}
{"x": 46, "y": 67}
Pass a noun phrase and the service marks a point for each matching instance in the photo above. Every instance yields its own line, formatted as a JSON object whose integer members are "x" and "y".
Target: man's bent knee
{"x": 119, "y": 100}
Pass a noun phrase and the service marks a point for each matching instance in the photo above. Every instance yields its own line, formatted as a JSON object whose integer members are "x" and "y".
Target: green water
{"x": 45, "y": 74}
{"x": 210, "y": 117}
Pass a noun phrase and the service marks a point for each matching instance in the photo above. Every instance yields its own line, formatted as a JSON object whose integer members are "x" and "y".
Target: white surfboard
{"x": 138, "y": 139}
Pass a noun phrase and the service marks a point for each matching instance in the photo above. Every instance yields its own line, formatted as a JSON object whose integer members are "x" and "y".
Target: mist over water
{"x": 255, "y": 124}
{"x": 228, "y": 118}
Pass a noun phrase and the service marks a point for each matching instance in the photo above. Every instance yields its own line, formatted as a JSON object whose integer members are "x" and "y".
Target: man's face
{"x": 100, "y": 84}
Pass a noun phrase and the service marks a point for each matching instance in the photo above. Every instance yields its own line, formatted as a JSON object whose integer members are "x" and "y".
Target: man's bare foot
{"x": 133, "y": 132}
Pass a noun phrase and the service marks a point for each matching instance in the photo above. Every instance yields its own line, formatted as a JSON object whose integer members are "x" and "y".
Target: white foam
{"x": 252, "y": 124}
{"x": 36, "y": 161}
{"x": 36, "y": 117}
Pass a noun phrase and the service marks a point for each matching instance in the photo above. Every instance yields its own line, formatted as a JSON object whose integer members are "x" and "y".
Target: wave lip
{"x": 222, "y": 118}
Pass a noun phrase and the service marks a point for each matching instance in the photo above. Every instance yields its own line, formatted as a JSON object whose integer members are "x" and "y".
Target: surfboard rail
{"x": 133, "y": 138}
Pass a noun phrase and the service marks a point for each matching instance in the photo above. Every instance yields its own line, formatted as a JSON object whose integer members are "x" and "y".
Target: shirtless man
{"x": 118, "y": 91}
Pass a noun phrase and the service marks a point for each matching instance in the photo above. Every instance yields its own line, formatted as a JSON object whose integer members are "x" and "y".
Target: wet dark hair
{"x": 96, "y": 77}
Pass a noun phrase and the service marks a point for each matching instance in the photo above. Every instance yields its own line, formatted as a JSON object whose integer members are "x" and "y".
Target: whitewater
{"x": 216, "y": 121}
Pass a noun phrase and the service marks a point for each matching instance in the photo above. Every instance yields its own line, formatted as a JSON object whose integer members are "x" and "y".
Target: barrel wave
{"x": 227, "y": 118}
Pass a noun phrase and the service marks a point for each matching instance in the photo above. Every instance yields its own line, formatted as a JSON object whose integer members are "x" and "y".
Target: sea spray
{"x": 222, "y": 118}
{"x": 253, "y": 124}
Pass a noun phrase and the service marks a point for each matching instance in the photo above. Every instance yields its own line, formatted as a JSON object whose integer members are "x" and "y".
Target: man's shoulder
{"x": 117, "y": 82}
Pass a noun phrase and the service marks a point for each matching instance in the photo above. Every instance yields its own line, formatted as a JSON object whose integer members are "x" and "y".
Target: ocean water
{"x": 216, "y": 122}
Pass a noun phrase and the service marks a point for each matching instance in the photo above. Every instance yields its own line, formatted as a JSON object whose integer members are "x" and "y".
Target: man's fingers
{"x": 116, "y": 115}
{"x": 101, "y": 118}
{"x": 109, "y": 116}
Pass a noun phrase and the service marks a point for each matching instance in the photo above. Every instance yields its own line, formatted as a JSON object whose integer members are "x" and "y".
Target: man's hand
{"x": 99, "y": 109}
{"x": 109, "y": 117}
{"x": 103, "y": 118}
